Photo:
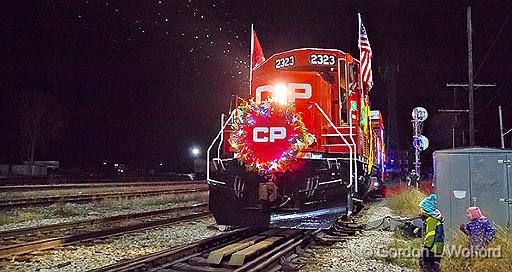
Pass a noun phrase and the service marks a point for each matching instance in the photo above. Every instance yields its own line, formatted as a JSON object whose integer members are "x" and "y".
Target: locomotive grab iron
{"x": 305, "y": 144}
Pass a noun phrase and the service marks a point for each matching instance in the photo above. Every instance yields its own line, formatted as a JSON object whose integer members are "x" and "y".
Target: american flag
{"x": 365, "y": 54}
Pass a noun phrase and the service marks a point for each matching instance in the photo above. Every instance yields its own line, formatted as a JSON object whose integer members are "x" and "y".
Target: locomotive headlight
{"x": 280, "y": 94}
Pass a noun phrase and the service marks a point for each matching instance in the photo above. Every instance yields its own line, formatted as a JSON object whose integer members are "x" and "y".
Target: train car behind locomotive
{"x": 303, "y": 148}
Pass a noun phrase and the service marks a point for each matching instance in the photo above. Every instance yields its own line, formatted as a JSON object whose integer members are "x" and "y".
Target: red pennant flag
{"x": 257, "y": 56}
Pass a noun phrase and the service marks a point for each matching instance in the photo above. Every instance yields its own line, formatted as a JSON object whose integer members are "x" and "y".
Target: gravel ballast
{"x": 356, "y": 254}
{"x": 95, "y": 210}
{"x": 109, "y": 251}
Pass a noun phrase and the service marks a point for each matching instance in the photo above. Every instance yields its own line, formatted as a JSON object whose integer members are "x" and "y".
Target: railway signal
{"x": 419, "y": 114}
{"x": 419, "y": 142}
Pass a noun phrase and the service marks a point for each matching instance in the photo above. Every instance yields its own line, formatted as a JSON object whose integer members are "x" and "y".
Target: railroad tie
{"x": 238, "y": 258}
{"x": 216, "y": 256}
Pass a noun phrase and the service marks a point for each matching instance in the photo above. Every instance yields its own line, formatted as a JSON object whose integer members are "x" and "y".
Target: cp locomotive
{"x": 305, "y": 145}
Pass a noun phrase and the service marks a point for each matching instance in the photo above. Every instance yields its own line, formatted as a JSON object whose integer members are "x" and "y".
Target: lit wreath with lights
{"x": 245, "y": 119}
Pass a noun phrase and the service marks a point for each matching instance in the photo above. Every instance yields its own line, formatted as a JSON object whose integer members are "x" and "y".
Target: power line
{"x": 498, "y": 92}
{"x": 492, "y": 45}
{"x": 471, "y": 85}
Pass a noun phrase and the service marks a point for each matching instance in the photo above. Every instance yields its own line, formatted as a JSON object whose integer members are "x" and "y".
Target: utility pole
{"x": 502, "y": 134}
{"x": 388, "y": 73}
{"x": 470, "y": 82}
{"x": 501, "y": 128}
{"x": 455, "y": 120}
{"x": 471, "y": 85}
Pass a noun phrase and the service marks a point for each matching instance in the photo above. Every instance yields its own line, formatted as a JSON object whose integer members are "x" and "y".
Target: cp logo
{"x": 259, "y": 134}
{"x": 292, "y": 91}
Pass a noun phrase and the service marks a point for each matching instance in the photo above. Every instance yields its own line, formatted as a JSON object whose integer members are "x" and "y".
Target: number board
{"x": 285, "y": 62}
{"x": 322, "y": 59}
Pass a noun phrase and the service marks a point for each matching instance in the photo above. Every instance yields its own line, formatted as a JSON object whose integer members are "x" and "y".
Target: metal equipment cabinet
{"x": 468, "y": 177}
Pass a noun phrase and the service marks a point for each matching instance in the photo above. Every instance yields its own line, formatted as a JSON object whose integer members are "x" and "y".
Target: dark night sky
{"x": 143, "y": 81}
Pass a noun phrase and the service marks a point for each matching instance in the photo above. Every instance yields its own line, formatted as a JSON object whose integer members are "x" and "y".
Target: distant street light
{"x": 195, "y": 151}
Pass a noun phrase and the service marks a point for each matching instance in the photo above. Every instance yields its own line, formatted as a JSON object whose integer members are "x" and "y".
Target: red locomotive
{"x": 305, "y": 146}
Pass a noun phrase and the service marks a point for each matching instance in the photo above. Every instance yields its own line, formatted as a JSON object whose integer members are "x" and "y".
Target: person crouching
{"x": 433, "y": 235}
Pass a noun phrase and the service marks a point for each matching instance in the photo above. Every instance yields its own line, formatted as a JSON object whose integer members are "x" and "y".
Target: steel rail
{"x": 191, "y": 257}
{"x": 42, "y": 187}
{"x": 42, "y": 201}
{"x": 61, "y": 227}
{"x": 272, "y": 257}
{"x": 66, "y": 240}
{"x": 147, "y": 262}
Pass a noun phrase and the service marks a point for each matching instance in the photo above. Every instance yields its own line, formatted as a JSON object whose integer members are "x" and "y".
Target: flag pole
{"x": 360, "y": 60}
{"x": 250, "y": 57}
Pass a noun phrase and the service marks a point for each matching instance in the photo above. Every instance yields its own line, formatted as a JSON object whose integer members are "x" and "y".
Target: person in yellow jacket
{"x": 433, "y": 235}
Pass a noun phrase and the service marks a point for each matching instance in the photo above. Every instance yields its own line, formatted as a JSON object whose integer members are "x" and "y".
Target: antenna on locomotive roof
{"x": 250, "y": 59}
{"x": 231, "y": 103}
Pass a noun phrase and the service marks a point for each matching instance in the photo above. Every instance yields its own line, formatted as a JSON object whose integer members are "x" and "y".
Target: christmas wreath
{"x": 267, "y": 136}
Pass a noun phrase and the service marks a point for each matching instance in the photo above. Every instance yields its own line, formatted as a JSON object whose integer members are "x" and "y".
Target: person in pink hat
{"x": 479, "y": 229}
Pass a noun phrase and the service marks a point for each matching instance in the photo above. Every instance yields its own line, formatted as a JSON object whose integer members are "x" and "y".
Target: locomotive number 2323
{"x": 285, "y": 62}
{"x": 321, "y": 59}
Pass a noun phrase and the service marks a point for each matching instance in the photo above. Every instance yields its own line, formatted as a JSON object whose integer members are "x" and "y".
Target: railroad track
{"x": 42, "y": 187}
{"x": 49, "y": 200}
{"x": 89, "y": 179}
{"x": 241, "y": 250}
{"x": 26, "y": 240}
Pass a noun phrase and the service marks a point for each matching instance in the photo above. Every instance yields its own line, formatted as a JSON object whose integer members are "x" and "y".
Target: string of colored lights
{"x": 244, "y": 146}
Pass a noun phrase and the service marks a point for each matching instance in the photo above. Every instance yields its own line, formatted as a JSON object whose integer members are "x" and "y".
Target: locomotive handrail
{"x": 211, "y": 146}
{"x": 351, "y": 182}
{"x": 352, "y": 161}
{"x": 354, "y": 143}
{"x": 221, "y": 135}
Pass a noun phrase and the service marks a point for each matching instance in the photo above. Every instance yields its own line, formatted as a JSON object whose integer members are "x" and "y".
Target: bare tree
{"x": 41, "y": 120}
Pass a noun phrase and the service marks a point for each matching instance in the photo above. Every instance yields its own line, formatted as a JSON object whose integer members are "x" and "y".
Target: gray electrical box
{"x": 468, "y": 177}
